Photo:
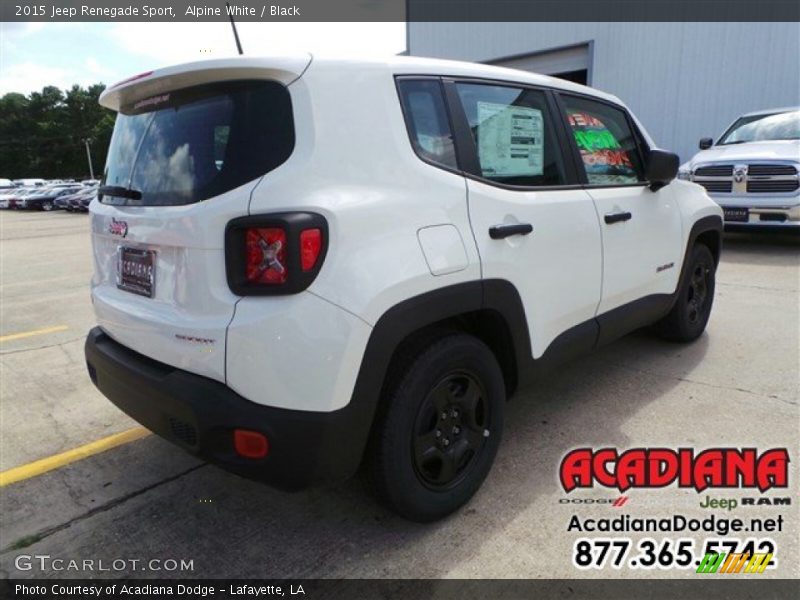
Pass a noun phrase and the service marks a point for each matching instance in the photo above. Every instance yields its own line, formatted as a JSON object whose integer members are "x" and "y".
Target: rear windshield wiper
{"x": 119, "y": 191}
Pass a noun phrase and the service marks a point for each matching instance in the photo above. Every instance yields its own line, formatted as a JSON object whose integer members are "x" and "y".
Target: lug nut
{"x": 438, "y": 433}
{"x": 455, "y": 413}
{"x": 456, "y": 430}
{"x": 446, "y": 442}
{"x": 444, "y": 416}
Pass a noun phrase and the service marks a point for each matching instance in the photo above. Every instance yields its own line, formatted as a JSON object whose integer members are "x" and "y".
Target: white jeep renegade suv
{"x": 305, "y": 264}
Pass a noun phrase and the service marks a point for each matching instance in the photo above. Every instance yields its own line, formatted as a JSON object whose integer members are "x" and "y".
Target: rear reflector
{"x": 310, "y": 246}
{"x": 266, "y": 255}
{"x": 250, "y": 444}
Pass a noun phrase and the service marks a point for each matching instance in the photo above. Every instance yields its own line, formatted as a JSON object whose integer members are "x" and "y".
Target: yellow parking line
{"x": 70, "y": 456}
{"x": 24, "y": 334}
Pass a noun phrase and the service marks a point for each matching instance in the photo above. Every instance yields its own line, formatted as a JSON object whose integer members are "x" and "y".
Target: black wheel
{"x": 688, "y": 318}
{"x": 439, "y": 429}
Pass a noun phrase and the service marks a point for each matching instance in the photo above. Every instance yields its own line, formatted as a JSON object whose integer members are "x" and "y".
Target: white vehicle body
{"x": 405, "y": 241}
{"x": 756, "y": 182}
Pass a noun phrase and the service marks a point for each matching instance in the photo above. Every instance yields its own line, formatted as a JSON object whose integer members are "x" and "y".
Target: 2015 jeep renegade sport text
{"x": 303, "y": 265}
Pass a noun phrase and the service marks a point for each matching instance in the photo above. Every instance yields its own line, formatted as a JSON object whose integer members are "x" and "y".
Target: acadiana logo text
{"x": 660, "y": 467}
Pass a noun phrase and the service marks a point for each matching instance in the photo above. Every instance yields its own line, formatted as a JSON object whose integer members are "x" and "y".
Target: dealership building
{"x": 683, "y": 80}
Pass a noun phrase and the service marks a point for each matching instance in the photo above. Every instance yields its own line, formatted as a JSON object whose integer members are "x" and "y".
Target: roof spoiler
{"x": 284, "y": 69}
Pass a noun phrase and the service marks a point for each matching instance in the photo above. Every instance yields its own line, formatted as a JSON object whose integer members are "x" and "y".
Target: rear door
{"x": 534, "y": 226}
{"x": 641, "y": 229}
{"x": 181, "y": 165}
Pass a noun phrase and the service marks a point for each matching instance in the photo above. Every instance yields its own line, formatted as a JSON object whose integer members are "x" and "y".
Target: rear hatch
{"x": 189, "y": 146}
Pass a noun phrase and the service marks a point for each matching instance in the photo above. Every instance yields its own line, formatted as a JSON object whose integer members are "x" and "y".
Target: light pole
{"x": 89, "y": 157}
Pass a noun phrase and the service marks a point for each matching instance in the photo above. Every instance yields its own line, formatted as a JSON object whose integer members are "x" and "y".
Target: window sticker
{"x": 510, "y": 140}
{"x": 604, "y": 159}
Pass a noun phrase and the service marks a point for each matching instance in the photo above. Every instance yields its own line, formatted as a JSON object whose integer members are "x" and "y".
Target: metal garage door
{"x": 571, "y": 62}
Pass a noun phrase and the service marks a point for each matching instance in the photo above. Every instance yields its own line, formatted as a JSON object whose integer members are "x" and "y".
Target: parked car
{"x": 7, "y": 195}
{"x": 753, "y": 170}
{"x": 65, "y": 200}
{"x": 5, "y": 198}
{"x": 16, "y": 198}
{"x": 45, "y": 199}
{"x": 396, "y": 262}
{"x": 30, "y": 182}
{"x": 62, "y": 202}
{"x": 80, "y": 202}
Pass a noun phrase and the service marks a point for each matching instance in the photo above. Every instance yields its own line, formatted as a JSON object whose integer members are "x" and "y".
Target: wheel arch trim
{"x": 414, "y": 314}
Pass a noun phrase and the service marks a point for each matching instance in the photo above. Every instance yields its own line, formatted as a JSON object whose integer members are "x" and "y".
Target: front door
{"x": 641, "y": 229}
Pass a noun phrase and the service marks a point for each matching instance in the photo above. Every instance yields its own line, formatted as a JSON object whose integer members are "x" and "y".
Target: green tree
{"x": 42, "y": 135}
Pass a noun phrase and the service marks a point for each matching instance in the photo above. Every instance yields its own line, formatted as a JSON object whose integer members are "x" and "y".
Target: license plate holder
{"x": 736, "y": 215}
{"x": 136, "y": 271}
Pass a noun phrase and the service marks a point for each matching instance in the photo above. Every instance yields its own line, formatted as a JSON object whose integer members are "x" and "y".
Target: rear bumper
{"x": 199, "y": 415}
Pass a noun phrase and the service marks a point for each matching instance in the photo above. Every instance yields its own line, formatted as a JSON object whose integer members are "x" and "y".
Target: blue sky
{"x": 33, "y": 55}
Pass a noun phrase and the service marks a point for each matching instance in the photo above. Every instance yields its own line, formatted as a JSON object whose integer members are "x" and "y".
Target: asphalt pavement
{"x": 143, "y": 500}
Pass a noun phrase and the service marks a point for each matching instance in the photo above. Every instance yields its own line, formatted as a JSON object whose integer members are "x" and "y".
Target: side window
{"x": 427, "y": 122}
{"x": 609, "y": 150}
{"x": 513, "y": 133}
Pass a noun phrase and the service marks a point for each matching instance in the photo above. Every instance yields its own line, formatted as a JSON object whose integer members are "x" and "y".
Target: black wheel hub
{"x": 450, "y": 430}
{"x": 697, "y": 296}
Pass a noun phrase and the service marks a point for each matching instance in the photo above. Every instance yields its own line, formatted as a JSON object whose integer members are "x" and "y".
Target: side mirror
{"x": 705, "y": 143}
{"x": 662, "y": 167}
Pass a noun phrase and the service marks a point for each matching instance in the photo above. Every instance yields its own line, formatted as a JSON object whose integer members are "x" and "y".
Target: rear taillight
{"x": 275, "y": 253}
{"x": 310, "y": 247}
{"x": 266, "y": 255}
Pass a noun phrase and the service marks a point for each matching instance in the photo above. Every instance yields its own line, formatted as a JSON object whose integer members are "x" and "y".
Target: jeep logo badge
{"x": 119, "y": 228}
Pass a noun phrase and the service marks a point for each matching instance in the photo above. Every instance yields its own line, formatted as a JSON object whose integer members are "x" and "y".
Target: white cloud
{"x": 29, "y": 76}
{"x": 97, "y": 69}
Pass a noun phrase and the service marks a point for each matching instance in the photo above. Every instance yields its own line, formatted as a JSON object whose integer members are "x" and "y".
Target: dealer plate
{"x": 136, "y": 271}
{"x": 736, "y": 215}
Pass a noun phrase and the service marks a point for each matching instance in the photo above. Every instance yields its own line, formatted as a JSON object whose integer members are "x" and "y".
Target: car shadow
{"x": 233, "y": 528}
{"x": 760, "y": 247}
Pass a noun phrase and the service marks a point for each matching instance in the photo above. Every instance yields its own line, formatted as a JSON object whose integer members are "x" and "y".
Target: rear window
{"x": 189, "y": 145}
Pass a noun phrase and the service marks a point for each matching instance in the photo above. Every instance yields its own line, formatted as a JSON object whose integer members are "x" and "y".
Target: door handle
{"x": 498, "y": 232}
{"x": 617, "y": 217}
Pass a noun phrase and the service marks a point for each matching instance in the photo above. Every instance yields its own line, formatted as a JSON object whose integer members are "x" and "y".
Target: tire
{"x": 455, "y": 387}
{"x": 47, "y": 206}
{"x": 688, "y": 318}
